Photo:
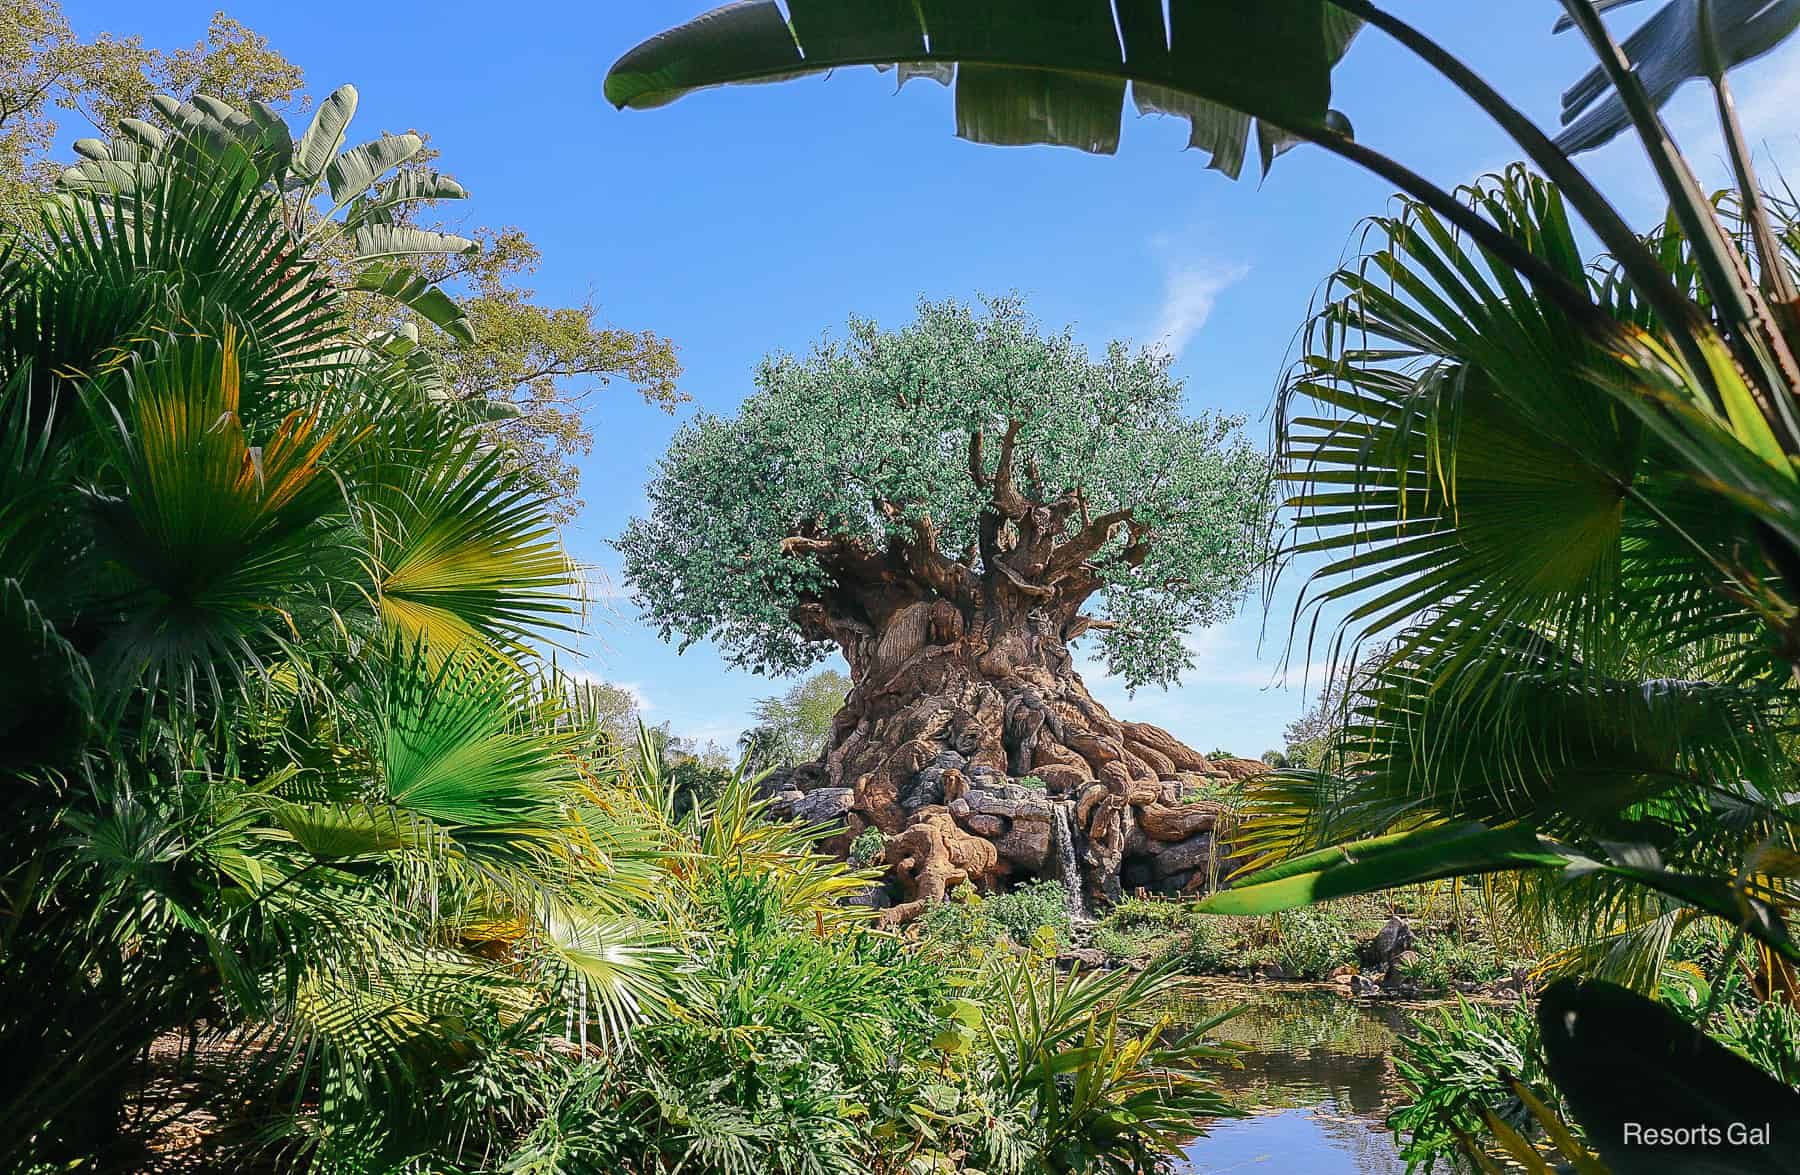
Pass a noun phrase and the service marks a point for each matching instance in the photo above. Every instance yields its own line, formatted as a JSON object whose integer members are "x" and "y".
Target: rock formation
{"x": 953, "y": 822}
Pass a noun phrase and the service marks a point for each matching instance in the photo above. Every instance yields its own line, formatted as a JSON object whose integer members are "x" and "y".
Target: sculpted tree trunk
{"x": 962, "y": 679}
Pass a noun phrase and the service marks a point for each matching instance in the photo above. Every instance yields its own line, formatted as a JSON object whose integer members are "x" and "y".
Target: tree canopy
{"x": 937, "y": 450}
{"x": 795, "y": 726}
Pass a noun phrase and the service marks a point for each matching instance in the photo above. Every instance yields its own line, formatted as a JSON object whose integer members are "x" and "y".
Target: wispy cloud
{"x": 1190, "y": 291}
{"x": 638, "y": 697}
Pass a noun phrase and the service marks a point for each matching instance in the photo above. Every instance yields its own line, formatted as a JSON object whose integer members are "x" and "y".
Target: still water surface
{"x": 1316, "y": 1079}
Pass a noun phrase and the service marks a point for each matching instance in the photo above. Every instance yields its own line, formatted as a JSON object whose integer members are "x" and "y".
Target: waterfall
{"x": 1062, "y": 831}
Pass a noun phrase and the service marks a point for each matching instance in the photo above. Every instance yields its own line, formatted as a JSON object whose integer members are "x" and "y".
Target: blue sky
{"x": 754, "y": 219}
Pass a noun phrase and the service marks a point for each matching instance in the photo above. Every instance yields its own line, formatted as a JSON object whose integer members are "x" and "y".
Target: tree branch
{"x": 1082, "y": 625}
{"x": 844, "y": 557}
{"x": 925, "y": 559}
{"x": 1005, "y": 497}
{"x": 1085, "y": 545}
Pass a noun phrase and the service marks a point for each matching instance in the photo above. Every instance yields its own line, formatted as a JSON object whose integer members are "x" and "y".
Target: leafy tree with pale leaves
{"x": 951, "y": 505}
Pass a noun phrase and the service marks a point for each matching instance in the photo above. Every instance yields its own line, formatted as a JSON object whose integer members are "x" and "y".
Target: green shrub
{"x": 1212, "y": 945}
{"x": 1149, "y": 914}
{"x": 1454, "y": 1066}
{"x": 1769, "y": 1037}
{"x": 1034, "y": 915}
{"x": 1034, "y": 907}
{"x": 1144, "y": 929}
{"x": 1444, "y": 961}
{"x": 1031, "y": 781}
{"x": 1310, "y": 943}
{"x": 867, "y": 849}
{"x": 1229, "y": 792}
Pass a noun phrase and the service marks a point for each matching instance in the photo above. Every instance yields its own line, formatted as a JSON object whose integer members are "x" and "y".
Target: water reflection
{"x": 1316, "y": 1078}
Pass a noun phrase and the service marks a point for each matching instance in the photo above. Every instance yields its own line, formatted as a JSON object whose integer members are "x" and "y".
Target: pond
{"x": 1317, "y": 1081}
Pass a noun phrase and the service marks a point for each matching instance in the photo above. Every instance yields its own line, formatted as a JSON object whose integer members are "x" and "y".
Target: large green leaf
{"x": 1029, "y": 71}
{"x": 1667, "y": 51}
{"x": 408, "y": 187}
{"x": 351, "y": 173}
{"x": 1627, "y": 1065}
{"x": 320, "y": 144}
{"x": 381, "y": 241}
{"x": 1387, "y": 862}
{"x": 414, "y": 290}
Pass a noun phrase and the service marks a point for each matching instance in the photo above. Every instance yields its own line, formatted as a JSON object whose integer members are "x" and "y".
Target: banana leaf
{"x": 1384, "y": 862}
{"x": 1032, "y": 71}
{"x": 1667, "y": 51}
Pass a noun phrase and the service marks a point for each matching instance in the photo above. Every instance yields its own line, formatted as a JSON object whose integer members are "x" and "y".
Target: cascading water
{"x": 1062, "y": 831}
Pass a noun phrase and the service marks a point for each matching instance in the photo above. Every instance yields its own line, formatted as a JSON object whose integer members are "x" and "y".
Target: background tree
{"x": 1308, "y": 737}
{"x": 950, "y": 506}
{"x": 46, "y": 71}
{"x": 539, "y": 363}
{"x": 796, "y": 726}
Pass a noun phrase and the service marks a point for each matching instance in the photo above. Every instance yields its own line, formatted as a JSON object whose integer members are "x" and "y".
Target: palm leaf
{"x": 217, "y": 540}
{"x": 463, "y": 547}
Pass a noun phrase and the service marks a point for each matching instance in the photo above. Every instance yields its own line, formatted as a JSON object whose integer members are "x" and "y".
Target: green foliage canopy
{"x": 886, "y": 440}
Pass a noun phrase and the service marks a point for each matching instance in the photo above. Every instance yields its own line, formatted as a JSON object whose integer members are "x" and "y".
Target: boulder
{"x": 1026, "y": 845}
{"x": 873, "y": 896}
{"x": 1194, "y": 853}
{"x": 1008, "y": 800}
{"x": 1172, "y": 822}
{"x": 822, "y": 806}
{"x": 1083, "y": 959}
{"x": 983, "y": 825}
{"x": 1392, "y": 939}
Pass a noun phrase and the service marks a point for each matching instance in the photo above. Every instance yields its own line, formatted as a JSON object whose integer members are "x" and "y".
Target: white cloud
{"x": 644, "y": 704}
{"x": 1190, "y": 291}
{"x": 638, "y": 698}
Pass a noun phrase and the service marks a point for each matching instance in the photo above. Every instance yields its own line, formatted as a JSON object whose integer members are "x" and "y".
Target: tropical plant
{"x": 360, "y": 196}
{"x": 458, "y": 315}
{"x": 269, "y": 610}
